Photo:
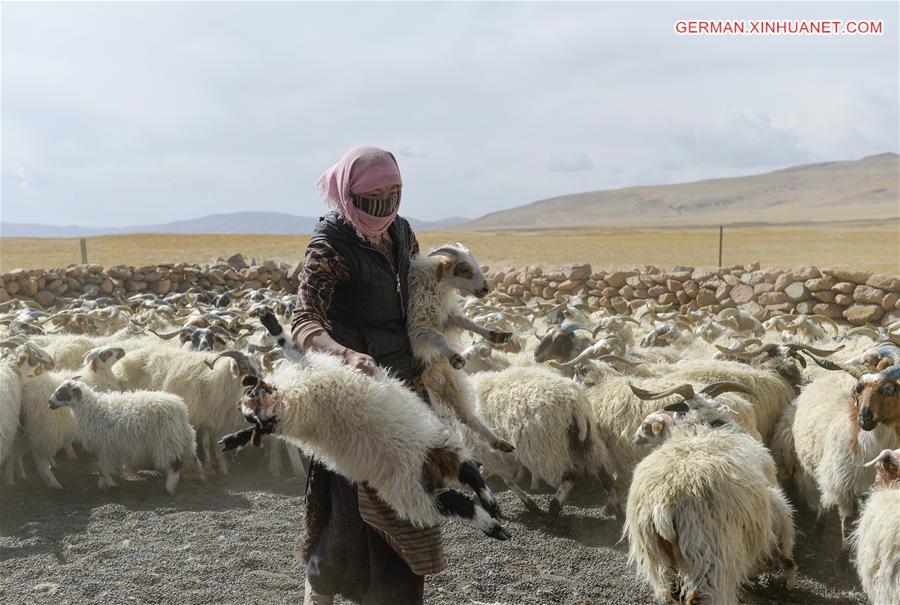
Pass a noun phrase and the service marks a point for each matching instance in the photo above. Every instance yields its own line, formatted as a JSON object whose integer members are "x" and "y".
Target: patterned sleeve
{"x": 323, "y": 270}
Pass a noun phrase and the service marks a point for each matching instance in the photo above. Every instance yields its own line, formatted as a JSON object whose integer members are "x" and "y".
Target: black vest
{"x": 368, "y": 313}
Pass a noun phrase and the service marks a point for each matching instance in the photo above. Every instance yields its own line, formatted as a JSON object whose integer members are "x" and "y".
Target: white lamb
{"x": 549, "y": 418}
{"x": 372, "y": 430}
{"x": 704, "y": 514}
{"x": 136, "y": 429}
{"x": 435, "y": 319}
{"x": 877, "y": 535}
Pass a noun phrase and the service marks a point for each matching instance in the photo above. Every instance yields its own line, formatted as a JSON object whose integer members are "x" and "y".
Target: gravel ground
{"x": 231, "y": 541}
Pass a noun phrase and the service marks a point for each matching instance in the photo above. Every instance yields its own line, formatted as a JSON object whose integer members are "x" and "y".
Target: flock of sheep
{"x": 691, "y": 422}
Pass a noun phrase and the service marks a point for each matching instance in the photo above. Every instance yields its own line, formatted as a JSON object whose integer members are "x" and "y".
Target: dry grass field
{"x": 870, "y": 246}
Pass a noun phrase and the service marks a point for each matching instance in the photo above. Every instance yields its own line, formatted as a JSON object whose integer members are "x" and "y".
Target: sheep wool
{"x": 703, "y": 516}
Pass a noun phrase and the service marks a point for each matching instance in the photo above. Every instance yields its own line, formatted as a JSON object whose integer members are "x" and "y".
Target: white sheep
{"x": 876, "y": 538}
{"x": 372, "y": 430}
{"x": 548, "y": 417}
{"x": 835, "y": 432}
{"x": 136, "y": 429}
{"x": 435, "y": 319}
{"x": 704, "y": 513}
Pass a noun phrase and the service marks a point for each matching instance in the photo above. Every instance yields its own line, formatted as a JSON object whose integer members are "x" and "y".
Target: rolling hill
{"x": 865, "y": 189}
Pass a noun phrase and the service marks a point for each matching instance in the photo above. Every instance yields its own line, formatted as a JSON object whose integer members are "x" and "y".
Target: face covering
{"x": 363, "y": 168}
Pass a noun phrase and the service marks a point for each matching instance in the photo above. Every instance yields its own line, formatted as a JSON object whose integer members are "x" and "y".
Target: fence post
{"x": 721, "y": 228}
{"x": 83, "y": 251}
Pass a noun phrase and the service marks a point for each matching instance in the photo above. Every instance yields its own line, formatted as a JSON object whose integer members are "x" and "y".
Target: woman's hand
{"x": 360, "y": 361}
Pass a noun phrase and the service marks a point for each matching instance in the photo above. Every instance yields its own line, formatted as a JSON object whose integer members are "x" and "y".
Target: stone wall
{"x": 859, "y": 297}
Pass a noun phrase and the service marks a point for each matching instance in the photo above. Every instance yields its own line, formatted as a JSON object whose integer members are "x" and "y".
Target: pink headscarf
{"x": 361, "y": 169}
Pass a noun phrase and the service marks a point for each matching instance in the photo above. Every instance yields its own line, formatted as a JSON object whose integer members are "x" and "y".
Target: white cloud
{"x": 125, "y": 113}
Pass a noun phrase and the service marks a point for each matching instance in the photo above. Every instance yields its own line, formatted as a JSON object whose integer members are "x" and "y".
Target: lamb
{"x": 434, "y": 316}
{"x": 838, "y": 426}
{"x": 134, "y": 429}
{"x": 45, "y": 431}
{"x": 549, "y": 419}
{"x": 372, "y": 430}
{"x": 876, "y": 538}
{"x": 704, "y": 513}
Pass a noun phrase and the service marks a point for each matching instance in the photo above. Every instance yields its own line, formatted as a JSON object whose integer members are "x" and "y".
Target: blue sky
{"x": 129, "y": 113}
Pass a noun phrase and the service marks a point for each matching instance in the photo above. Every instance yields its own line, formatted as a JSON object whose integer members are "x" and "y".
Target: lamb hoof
{"x": 504, "y": 446}
{"x": 458, "y": 362}
{"x": 499, "y": 337}
{"x": 555, "y": 508}
{"x": 498, "y": 532}
{"x": 532, "y": 507}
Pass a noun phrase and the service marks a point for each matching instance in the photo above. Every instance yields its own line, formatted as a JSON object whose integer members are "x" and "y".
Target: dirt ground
{"x": 231, "y": 541}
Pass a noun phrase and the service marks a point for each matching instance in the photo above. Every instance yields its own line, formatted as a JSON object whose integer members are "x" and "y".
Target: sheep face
{"x": 878, "y": 398}
{"x": 887, "y": 466}
{"x": 557, "y": 344}
{"x": 460, "y": 270}
{"x": 103, "y": 357}
{"x": 67, "y": 393}
{"x": 655, "y": 428}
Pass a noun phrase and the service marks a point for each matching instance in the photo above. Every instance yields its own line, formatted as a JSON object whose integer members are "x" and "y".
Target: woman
{"x": 352, "y": 303}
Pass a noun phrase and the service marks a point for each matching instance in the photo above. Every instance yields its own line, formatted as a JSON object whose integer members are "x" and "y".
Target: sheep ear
{"x": 657, "y": 427}
{"x": 76, "y": 391}
{"x": 679, "y": 406}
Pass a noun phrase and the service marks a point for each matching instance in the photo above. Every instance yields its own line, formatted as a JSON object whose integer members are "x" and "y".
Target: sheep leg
{"x": 784, "y": 530}
{"x": 479, "y": 426}
{"x": 70, "y": 452}
{"x": 42, "y": 465}
{"x": 451, "y": 503}
{"x": 471, "y": 476}
{"x": 221, "y": 462}
{"x": 435, "y": 341}
{"x": 614, "y": 499}
{"x": 465, "y": 323}
{"x": 527, "y": 500}
{"x": 296, "y": 460}
{"x": 562, "y": 494}
{"x": 274, "y": 456}
{"x": 173, "y": 473}
{"x": 106, "y": 471}
{"x": 846, "y": 511}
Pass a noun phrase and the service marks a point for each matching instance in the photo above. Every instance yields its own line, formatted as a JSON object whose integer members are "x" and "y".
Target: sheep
{"x": 10, "y": 406}
{"x": 876, "y": 538}
{"x": 840, "y": 424}
{"x": 434, "y": 316}
{"x": 209, "y": 389}
{"x": 45, "y": 431}
{"x": 549, "y": 419}
{"x": 704, "y": 513}
{"x": 372, "y": 430}
{"x": 133, "y": 429}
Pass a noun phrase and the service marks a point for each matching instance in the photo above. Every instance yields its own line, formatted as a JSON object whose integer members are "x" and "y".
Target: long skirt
{"x": 345, "y": 555}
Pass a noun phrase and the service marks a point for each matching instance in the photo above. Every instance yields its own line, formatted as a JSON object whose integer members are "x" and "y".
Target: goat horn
{"x": 734, "y": 353}
{"x": 164, "y": 336}
{"x": 686, "y": 391}
{"x": 864, "y": 331}
{"x": 813, "y": 350}
{"x": 617, "y": 359}
{"x": 446, "y": 251}
{"x": 717, "y": 388}
{"x": 828, "y": 320}
{"x": 855, "y": 370}
{"x": 244, "y": 367}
